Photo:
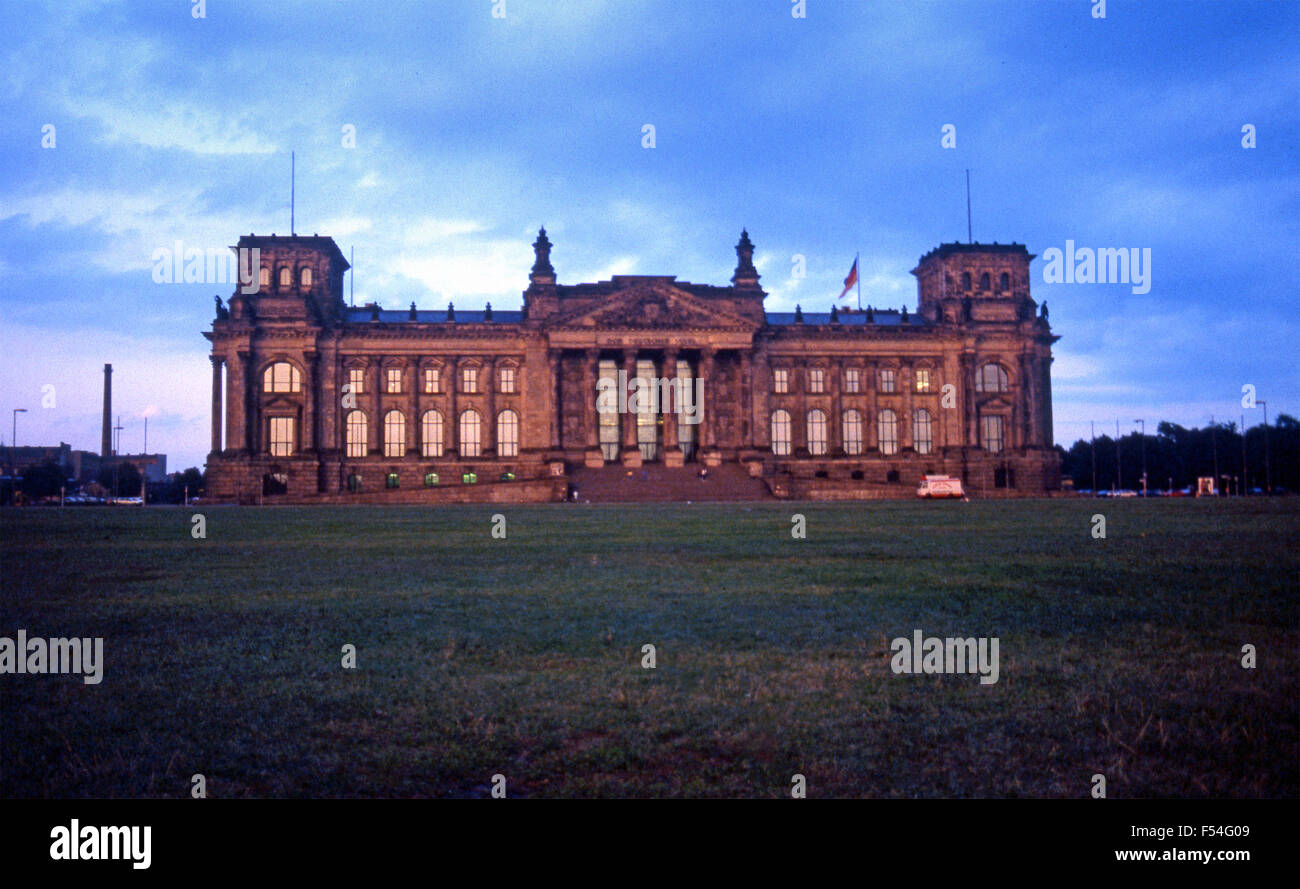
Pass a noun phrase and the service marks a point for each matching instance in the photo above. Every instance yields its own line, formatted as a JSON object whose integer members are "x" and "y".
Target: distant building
{"x": 313, "y": 400}
{"x": 81, "y": 466}
{"x": 152, "y": 466}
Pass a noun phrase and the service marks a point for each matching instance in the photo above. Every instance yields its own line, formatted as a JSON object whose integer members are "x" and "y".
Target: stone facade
{"x": 316, "y": 401}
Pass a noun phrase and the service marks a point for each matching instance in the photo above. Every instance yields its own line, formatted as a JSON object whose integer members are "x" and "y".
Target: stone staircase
{"x": 655, "y": 482}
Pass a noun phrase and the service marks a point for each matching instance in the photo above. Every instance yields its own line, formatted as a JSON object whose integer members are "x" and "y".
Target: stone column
{"x": 591, "y": 435}
{"x": 835, "y": 434}
{"x": 708, "y": 358}
{"x": 488, "y": 386}
{"x": 554, "y": 400}
{"x": 414, "y": 428}
{"x": 329, "y": 400}
{"x": 375, "y": 380}
{"x": 746, "y": 430}
{"x": 870, "y": 424}
{"x": 216, "y": 403}
{"x": 307, "y": 435}
{"x": 451, "y": 429}
{"x": 971, "y": 436}
{"x": 670, "y": 410}
{"x": 236, "y": 403}
{"x": 907, "y": 380}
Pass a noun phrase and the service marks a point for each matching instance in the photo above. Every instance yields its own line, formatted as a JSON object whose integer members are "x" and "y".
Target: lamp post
{"x": 1144, "y": 455}
{"x": 1268, "y": 481}
{"x": 13, "y": 443}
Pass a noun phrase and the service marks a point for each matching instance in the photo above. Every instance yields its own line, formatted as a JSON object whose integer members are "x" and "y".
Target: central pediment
{"x": 650, "y": 303}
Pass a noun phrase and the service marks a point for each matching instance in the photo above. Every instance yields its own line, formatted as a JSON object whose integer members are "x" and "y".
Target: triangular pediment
{"x": 652, "y": 306}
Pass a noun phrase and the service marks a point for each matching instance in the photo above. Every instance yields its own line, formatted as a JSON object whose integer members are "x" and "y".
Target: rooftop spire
{"x": 746, "y": 275}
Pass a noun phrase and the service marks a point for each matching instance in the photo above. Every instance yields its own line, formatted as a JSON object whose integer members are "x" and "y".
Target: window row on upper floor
{"x": 989, "y": 377}
{"x": 284, "y": 376}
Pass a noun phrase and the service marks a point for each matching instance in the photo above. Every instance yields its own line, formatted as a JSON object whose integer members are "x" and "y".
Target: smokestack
{"x": 106, "y": 444}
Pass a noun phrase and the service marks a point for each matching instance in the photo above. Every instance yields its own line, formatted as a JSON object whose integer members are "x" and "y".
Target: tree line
{"x": 1176, "y": 456}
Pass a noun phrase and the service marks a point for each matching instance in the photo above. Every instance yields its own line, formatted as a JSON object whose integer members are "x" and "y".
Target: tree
{"x": 125, "y": 475}
{"x": 43, "y": 480}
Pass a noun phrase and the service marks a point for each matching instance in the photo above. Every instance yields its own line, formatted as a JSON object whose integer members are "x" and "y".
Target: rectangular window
{"x": 394, "y": 381}
{"x": 469, "y": 379}
{"x": 780, "y": 381}
{"x": 816, "y": 380}
{"x": 430, "y": 380}
{"x": 991, "y": 434}
{"x": 357, "y": 379}
{"x": 922, "y": 375}
{"x": 922, "y": 431}
{"x": 281, "y": 436}
{"x": 851, "y": 380}
{"x": 886, "y": 379}
{"x": 506, "y": 375}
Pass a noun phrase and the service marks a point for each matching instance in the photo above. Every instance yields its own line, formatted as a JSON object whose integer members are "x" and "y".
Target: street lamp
{"x": 1144, "y": 455}
{"x": 13, "y": 443}
{"x": 1268, "y": 482}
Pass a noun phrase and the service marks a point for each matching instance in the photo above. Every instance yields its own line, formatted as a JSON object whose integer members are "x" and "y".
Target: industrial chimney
{"x": 106, "y": 444}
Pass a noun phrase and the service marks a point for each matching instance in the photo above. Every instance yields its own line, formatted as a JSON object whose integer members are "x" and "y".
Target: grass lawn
{"x": 522, "y": 656}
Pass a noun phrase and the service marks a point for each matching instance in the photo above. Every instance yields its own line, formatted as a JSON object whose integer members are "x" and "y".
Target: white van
{"x": 936, "y": 486}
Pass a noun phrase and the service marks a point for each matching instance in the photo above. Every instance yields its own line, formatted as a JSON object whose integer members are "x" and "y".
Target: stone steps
{"x": 655, "y": 482}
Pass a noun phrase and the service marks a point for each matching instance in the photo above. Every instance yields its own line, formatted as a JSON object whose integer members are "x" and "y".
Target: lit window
{"x": 781, "y": 433}
{"x": 887, "y": 432}
{"x": 607, "y": 416}
{"x": 394, "y": 434}
{"x": 282, "y": 377}
{"x": 286, "y": 276}
{"x": 469, "y": 434}
{"x": 431, "y": 380}
{"x": 356, "y": 434}
{"x": 922, "y": 431}
{"x": 780, "y": 380}
{"x": 816, "y": 380}
{"x": 430, "y": 479}
{"x": 391, "y": 480}
{"x": 394, "y": 380}
{"x": 886, "y": 379}
{"x": 506, "y": 376}
{"x": 686, "y": 407}
{"x": 852, "y": 382}
{"x": 357, "y": 380}
{"x": 281, "y": 436}
{"x": 431, "y": 434}
{"x": 852, "y": 423}
{"x": 991, "y": 378}
{"x": 991, "y": 434}
{"x": 507, "y": 434}
{"x": 304, "y": 278}
{"x": 647, "y": 418}
{"x": 922, "y": 376}
{"x": 264, "y": 277}
{"x": 469, "y": 379}
{"x": 816, "y": 433}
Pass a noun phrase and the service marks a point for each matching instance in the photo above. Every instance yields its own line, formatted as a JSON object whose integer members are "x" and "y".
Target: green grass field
{"x": 522, "y": 656}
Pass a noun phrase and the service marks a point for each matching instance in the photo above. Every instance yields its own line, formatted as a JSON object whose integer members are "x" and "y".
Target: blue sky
{"x": 822, "y": 135}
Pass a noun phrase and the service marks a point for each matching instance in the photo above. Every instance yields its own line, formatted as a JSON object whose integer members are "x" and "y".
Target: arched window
{"x": 984, "y": 281}
{"x": 922, "y": 431}
{"x": 356, "y": 434}
{"x": 394, "y": 434}
{"x": 469, "y": 438}
{"x": 781, "y": 433}
{"x": 264, "y": 277}
{"x": 1004, "y": 283}
{"x": 431, "y": 434}
{"x": 507, "y": 434}
{"x": 282, "y": 377}
{"x": 852, "y": 423}
{"x": 816, "y": 432}
{"x": 304, "y": 277}
{"x": 286, "y": 276}
{"x": 887, "y": 431}
{"x": 965, "y": 280}
{"x": 991, "y": 378}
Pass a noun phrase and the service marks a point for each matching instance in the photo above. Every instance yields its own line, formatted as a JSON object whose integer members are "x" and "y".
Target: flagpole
{"x": 858, "y": 270}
